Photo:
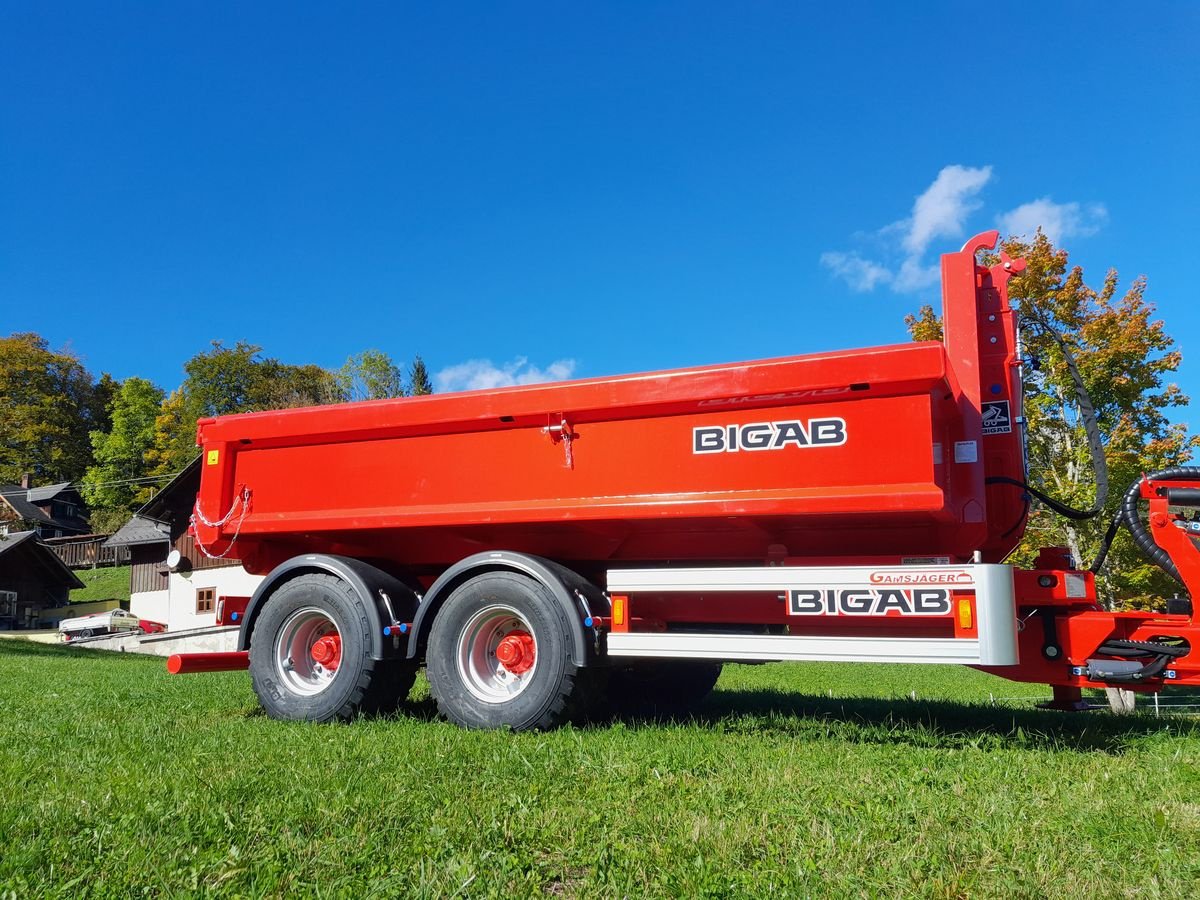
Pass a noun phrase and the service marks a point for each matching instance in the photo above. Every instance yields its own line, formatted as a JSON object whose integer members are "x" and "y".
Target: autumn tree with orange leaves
{"x": 1126, "y": 360}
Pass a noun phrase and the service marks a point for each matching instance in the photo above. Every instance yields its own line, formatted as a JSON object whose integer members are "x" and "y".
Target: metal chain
{"x": 242, "y": 500}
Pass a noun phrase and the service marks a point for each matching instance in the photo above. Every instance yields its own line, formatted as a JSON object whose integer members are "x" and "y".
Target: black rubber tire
{"x": 354, "y": 688}
{"x": 662, "y": 687}
{"x": 390, "y": 685}
{"x": 557, "y": 690}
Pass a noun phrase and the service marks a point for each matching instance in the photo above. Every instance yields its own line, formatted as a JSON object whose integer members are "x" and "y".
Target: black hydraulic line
{"x": 1118, "y": 647}
{"x": 1021, "y": 518}
{"x": 1106, "y": 544}
{"x": 1182, "y": 496}
{"x": 1057, "y": 505}
{"x": 1130, "y": 518}
{"x": 1162, "y": 655}
{"x": 1087, "y": 414}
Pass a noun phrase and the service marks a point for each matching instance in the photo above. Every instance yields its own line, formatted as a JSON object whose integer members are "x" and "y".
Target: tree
{"x": 50, "y": 403}
{"x": 370, "y": 375}
{"x": 419, "y": 383}
{"x": 174, "y": 444}
{"x": 1124, "y": 357}
{"x": 226, "y": 380}
{"x": 120, "y": 454}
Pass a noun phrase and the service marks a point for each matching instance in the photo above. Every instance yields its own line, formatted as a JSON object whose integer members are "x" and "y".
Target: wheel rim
{"x": 308, "y": 650}
{"x": 497, "y": 654}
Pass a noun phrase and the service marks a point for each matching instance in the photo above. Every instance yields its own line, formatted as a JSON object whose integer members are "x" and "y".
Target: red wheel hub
{"x": 516, "y": 652}
{"x": 328, "y": 651}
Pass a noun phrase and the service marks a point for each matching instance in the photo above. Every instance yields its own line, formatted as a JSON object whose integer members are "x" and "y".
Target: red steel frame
{"x": 592, "y": 473}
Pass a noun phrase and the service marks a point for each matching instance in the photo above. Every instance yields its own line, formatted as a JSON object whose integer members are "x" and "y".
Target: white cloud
{"x": 483, "y": 374}
{"x": 914, "y": 276}
{"x": 941, "y": 211}
{"x": 861, "y": 274}
{"x": 944, "y": 206}
{"x": 1057, "y": 220}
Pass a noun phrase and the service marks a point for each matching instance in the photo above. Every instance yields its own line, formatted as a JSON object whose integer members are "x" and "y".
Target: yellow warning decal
{"x": 214, "y": 457}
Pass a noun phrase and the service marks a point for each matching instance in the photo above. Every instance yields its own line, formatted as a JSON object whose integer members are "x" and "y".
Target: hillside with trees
{"x": 121, "y": 441}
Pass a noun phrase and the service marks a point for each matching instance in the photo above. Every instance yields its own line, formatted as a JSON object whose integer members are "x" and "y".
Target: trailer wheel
{"x": 498, "y": 656}
{"x": 310, "y": 655}
{"x": 390, "y": 684}
{"x": 662, "y": 687}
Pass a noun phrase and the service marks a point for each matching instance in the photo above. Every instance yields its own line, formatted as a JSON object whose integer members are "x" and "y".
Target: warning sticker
{"x": 996, "y": 418}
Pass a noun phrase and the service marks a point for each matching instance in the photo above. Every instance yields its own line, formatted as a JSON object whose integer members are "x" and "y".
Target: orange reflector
{"x": 964, "y": 612}
{"x": 618, "y": 610}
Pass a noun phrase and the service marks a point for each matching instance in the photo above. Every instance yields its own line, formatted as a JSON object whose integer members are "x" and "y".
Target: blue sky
{"x": 521, "y": 191}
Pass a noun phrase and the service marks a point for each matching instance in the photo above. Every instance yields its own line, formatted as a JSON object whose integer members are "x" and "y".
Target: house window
{"x": 205, "y": 600}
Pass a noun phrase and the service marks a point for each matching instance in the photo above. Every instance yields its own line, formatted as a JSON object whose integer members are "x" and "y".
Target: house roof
{"x": 47, "y": 491}
{"x": 165, "y": 516}
{"x": 18, "y": 498}
{"x": 138, "y": 531}
{"x": 26, "y": 544}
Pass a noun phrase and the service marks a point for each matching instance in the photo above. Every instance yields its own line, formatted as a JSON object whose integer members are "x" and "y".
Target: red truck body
{"x": 874, "y": 455}
{"x": 884, "y": 485}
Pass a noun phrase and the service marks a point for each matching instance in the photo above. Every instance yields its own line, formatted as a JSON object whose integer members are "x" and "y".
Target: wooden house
{"x": 181, "y": 595}
{"x": 51, "y": 511}
{"x": 32, "y": 579}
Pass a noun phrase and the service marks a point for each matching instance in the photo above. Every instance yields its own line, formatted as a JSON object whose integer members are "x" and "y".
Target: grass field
{"x": 110, "y": 583}
{"x": 120, "y": 780}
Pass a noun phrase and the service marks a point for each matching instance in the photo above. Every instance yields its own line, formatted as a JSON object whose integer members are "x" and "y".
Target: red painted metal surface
{"x": 876, "y": 454}
{"x": 187, "y": 663}
{"x": 328, "y": 651}
{"x": 517, "y": 652}
{"x": 231, "y": 608}
{"x": 1164, "y": 528}
{"x": 855, "y": 457}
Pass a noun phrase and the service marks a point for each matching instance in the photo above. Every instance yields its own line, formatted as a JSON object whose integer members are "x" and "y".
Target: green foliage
{"x": 925, "y": 324}
{"x": 174, "y": 436}
{"x": 227, "y": 380}
{"x": 106, "y": 520}
{"x": 419, "y": 383}
{"x": 370, "y": 375}
{"x": 800, "y": 780}
{"x": 110, "y": 583}
{"x": 1125, "y": 357}
{"x": 50, "y": 403}
{"x": 109, "y": 486}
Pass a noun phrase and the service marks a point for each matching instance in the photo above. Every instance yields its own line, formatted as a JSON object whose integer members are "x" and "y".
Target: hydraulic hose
{"x": 1091, "y": 428}
{"x": 1131, "y": 519}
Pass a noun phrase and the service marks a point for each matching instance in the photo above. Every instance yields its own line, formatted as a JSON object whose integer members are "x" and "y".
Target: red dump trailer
{"x": 545, "y": 549}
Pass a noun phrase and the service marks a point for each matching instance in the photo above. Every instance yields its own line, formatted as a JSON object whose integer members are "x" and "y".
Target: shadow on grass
{"x": 927, "y": 723}
{"x": 865, "y": 720}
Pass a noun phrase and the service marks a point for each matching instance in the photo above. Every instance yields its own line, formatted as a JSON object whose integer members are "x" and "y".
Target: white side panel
{"x": 151, "y": 605}
{"x": 991, "y": 584}
{"x": 229, "y": 580}
{"x": 783, "y": 578}
{"x": 782, "y": 647}
{"x": 995, "y": 605}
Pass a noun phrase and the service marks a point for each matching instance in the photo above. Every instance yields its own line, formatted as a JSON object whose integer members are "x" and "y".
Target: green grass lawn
{"x": 110, "y": 583}
{"x": 793, "y": 780}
